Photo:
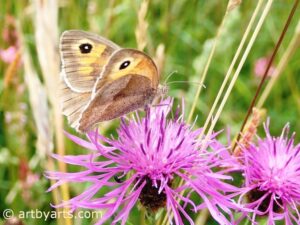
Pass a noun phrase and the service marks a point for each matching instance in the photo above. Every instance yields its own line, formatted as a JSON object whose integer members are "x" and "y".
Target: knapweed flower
{"x": 272, "y": 178}
{"x": 8, "y": 55}
{"x": 143, "y": 165}
{"x": 11, "y": 39}
{"x": 261, "y": 65}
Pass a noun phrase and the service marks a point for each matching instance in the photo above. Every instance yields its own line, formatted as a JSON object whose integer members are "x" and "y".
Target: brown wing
{"x": 117, "y": 98}
{"x": 83, "y": 57}
{"x": 128, "y": 61}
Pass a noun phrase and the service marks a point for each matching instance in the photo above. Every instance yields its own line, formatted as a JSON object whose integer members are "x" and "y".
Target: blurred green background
{"x": 30, "y": 123}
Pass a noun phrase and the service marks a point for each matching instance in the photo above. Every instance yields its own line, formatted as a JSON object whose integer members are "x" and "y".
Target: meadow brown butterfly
{"x": 102, "y": 81}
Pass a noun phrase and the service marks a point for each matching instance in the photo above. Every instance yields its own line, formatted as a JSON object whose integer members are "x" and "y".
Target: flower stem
{"x": 143, "y": 216}
{"x": 202, "y": 217}
{"x": 203, "y": 76}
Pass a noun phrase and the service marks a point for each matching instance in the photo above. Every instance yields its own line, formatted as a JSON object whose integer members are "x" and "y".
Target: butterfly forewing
{"x": 84, "y": 56}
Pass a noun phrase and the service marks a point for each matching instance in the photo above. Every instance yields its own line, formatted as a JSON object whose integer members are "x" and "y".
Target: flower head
{"x": 261, "y": 65}
{"x": 11, "y": 39}
{"x": 272, "y": 177}
{"x": 142, "y": 165}
{"x": 8, "y": 55}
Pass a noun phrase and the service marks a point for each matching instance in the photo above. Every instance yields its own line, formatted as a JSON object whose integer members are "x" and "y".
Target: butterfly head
{"x": 162, "y": 90}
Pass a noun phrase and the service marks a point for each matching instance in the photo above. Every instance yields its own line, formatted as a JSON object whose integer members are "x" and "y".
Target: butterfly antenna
{"x": 168, "y": 77}
{"x": 188, "y": 82}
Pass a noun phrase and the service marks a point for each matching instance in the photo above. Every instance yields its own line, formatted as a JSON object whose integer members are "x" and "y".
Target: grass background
{"x": 187, "y": 29}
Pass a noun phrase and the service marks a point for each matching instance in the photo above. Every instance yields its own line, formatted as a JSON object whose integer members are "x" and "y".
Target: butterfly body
{"x": 101, "y": 81}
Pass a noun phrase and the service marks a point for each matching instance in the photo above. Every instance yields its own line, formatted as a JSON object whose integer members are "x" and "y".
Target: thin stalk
{"x": 141, "y": 39}
{"x": 235, "y": 58}
{"x": 142, "y": 216}
{"x": 37, "y": 100}
{"x": 110, "y": 17}
{"x": 282, "y": 35}
{"x": 237, "y": 72}
{"x": 203, "y": 75}
{"x": 293, "y": 46}
{"x": 46, "y": 36}
{"x": 11, "y": 70}
{"x": 55, "y": 193}
{"x": 202, "y": 217}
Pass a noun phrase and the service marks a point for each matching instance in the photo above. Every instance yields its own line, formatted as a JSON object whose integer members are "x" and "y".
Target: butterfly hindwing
{"x": 117, "y": 98}
{"x": 73, "y": 103}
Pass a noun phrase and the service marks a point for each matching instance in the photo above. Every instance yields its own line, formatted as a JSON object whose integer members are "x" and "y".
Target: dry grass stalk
{"x": 232, "y": 4}
{"x": 46, "y": 36}
{"x": 263, "y": 16}
{"x": 110, "y": 17}
{"x": 250, "y": 130}
{"x": 12, "y": 70}
{"x": 39, "y": 106}
{"x": 258, "y": 27}
{"x": 159, "y": 58}
{"x": 231, "y": 67}
{"x": 141, "y": 29}
{"x": 38, "y": 103}
{"x": 202, "y": 79}
{"x": 202, "y": 217}
{"x": 207, "y": 65}
{"x": 276, "y": 48}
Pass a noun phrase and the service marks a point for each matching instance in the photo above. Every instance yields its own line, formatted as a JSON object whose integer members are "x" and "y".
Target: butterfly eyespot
{"x": 124, "y": 65}
{"x": 85, "y": 48}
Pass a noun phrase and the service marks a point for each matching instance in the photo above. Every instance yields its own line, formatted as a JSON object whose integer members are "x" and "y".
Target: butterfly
{"x": 101, "y": 81}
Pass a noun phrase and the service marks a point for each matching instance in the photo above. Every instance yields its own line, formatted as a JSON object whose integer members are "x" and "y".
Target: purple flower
{"x": 272, "y": 178}
{"x": 144, "y": 165}
{"x": 8, "y": 55}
